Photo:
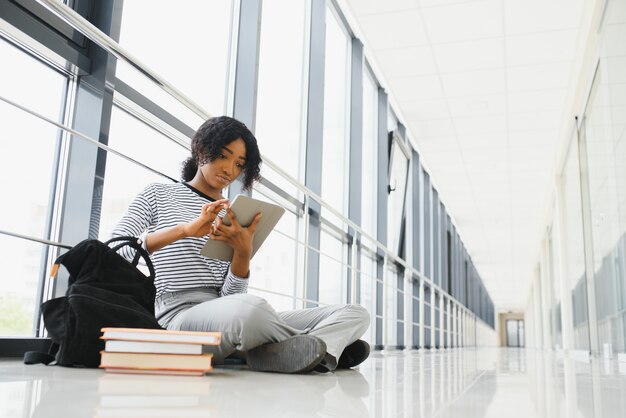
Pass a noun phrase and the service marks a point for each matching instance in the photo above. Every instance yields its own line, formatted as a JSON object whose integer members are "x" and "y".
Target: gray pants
{"x": 247, "y": 321}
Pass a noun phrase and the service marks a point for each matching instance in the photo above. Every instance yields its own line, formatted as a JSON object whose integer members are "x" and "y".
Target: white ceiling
{"x": 481, "y": 86}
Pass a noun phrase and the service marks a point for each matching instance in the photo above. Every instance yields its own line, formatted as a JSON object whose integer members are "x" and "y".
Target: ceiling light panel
{"x": 494, "y": 173}
{"x": 438, "y": 144}
{"x": 616, "y": 68}
{"x": 433, "y": 128}
{"x": 460, "y": 200}
{"x": 494, "y": 104}
{"x": 617, "y": 94}
{"x": 394, "y": 30}
{"x": 540, "y": 48}
{"x": 479, "y": 160}
{"x": 533, "y": 121}
{"x": 464, "y": 21}
{"x": 614, "y": 38}
{"x": 425, "y": 109}
{"x": 367, "y": 7}
{"x": 536, "y": 165}
{"x": 442, "y": 160}
{"x": 474, "y": 83}
{"x": 538, "y": 100}
{"x": 452, "y": 174}
{"x": 412, "y": 61}
{"x": 527, "y": 16}
{"x": 481, "y": 125}
{"x": 482, "y": 141}
{"x": 408, "y": 89}
{"x": 468, "y": 56}
{"x": 538, "y": 77}
{"x": 534, "y": 139}
{"x": 523, "y": 188}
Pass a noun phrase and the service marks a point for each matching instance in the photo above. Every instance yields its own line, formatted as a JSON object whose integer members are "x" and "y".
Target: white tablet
{"x": 245, "y": 209}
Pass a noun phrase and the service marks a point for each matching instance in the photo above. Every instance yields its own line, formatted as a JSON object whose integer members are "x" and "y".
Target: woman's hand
{"x": 236, "y": 236}
{"x": 203, "y": 224}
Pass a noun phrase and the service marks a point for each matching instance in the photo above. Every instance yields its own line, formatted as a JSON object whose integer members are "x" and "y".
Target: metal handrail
{"x": 84, "y": 137}
{"x": 90, "y": 31}
{"x": 34, "y": 239}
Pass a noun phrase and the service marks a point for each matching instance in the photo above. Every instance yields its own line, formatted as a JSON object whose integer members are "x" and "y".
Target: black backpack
{"x": 104, "y": 290}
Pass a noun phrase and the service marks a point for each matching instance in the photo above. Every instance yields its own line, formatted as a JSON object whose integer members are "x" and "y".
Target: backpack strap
{"x": 140, "y": 251}
{"x": 39, "y": 357}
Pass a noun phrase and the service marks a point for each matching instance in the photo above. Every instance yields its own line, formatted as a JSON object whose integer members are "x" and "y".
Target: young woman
{"x": 196, "y": 293}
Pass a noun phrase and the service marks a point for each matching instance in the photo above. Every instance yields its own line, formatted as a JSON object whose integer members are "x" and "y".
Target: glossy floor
{"x": 484, "y": 382}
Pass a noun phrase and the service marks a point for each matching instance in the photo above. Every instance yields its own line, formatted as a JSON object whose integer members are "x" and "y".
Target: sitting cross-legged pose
{"x": 195, "y": 293}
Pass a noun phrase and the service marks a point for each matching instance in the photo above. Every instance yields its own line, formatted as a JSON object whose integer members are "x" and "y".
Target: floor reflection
{"x": 485, "y": 382}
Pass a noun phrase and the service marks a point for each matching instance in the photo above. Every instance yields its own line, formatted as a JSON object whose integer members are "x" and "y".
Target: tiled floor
{"x": 485, "y": 382}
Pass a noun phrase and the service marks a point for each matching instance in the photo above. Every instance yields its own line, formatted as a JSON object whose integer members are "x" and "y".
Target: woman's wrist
{"x": 244, "y": 255}
{"x": 182, "y": 230}
{"x": 240, "y": 264}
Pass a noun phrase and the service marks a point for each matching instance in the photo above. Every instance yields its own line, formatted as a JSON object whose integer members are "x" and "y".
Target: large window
{"x": 277, "y": 269}
{"x": 336, "y": 113}
{"x": 189, "y": 46}
{"x": 333, "y": 273}
{"x": 335, "y": 141}
{"x": 27, "y": 166}
{"x": 370, "y": 143}
{"x": 280, "y": 93}
{"x": 125, "y": 179}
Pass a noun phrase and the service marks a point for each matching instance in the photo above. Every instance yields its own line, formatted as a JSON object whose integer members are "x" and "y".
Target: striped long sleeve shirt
{"x": 179, "y": 265}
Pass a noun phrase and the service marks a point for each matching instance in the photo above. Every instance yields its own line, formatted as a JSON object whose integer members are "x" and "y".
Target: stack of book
{"x": 156, "y": 351}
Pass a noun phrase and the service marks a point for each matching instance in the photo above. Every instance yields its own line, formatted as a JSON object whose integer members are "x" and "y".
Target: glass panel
{"x": 274, "y": 267}
{"x": 427, "y": 316}
{"x": 368, "y": 284}
{"x": 391, "y": 310}
{"x": 124, "y": 179}
{"x": 415, "y": 317}
{"x": 333, "y": 274}
{"x": 437, "y": 320}
{"x": 369, "y": 175}
{"x": 336, "y": 114}
{"x": 573, "y": 248}
{"x": 444, "y": 325}
{"x": 280, "y": 86}
{"x": 398, "y": 172}
{"x": 555, "y": 308}
{"x": 427, "y": 223}
{"x": 604, "y": 138}
{"x": 606, "y": 149}
{"x": 189, "y": 47}
{"x": 28, "y": 151}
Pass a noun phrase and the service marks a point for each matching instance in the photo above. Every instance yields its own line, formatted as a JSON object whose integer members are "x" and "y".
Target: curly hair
{"x": 211, "y": 137}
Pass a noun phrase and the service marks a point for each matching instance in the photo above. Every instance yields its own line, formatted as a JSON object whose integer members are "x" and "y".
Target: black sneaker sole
{"x": 298, "y": 354}
{"x": 353, "y": 355}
